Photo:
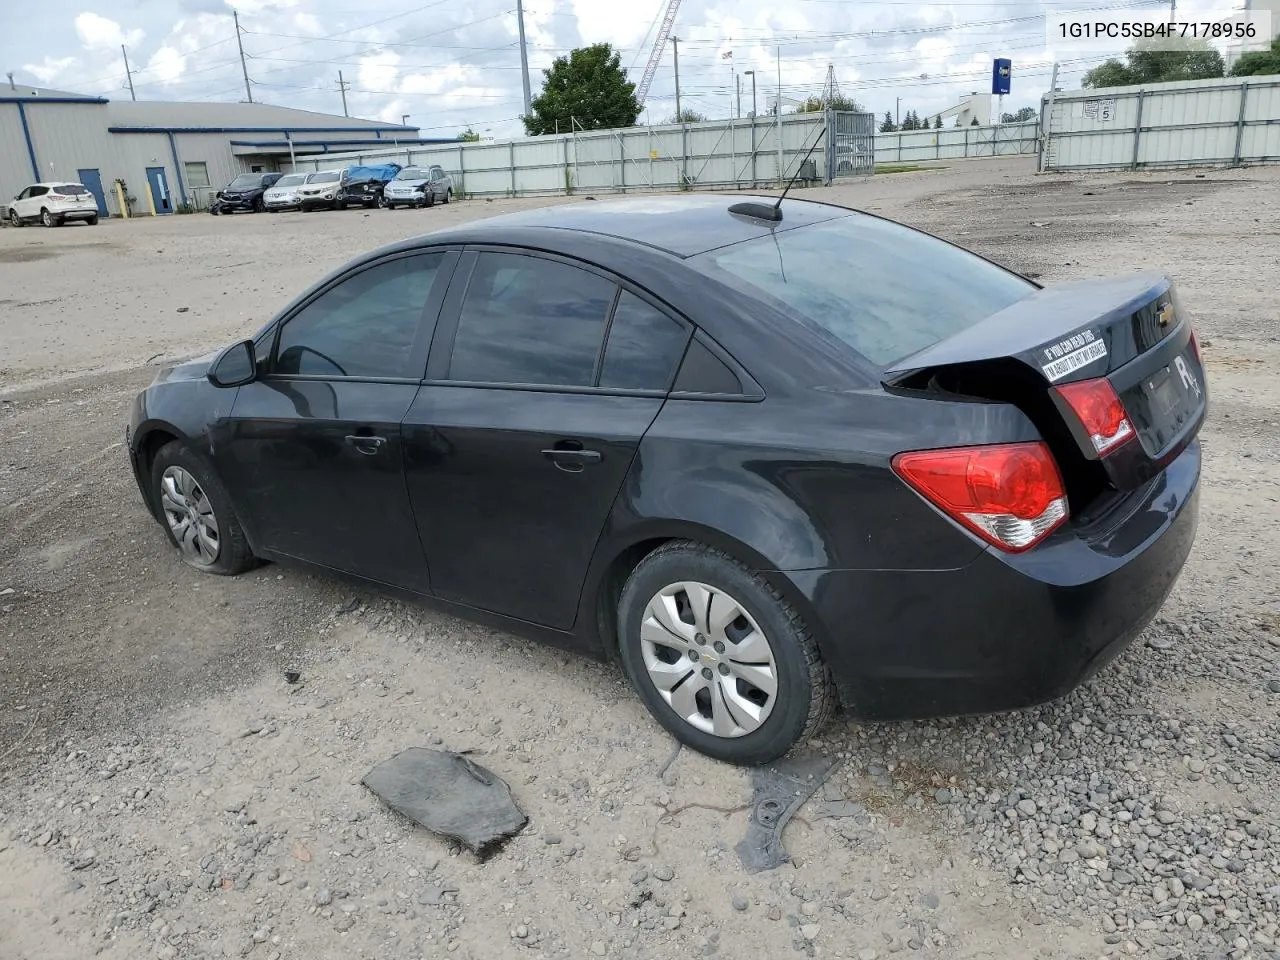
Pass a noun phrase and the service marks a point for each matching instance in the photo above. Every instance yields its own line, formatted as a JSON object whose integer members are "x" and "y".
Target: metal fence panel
{"x": 851, "y": 150}
{"x": 956, "y": 143}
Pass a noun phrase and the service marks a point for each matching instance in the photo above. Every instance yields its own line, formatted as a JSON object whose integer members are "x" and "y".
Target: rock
{"x": 1195, "y": 922}
{"x": 1027, "y": 808}
{"x": 741, "y": 903}
{"x": 521, "y": 932}
{"x": 323, "y": 897}
{"x": 44, "y": 839}
{"x": 490, "y": 729}
{"x": 598, "y": 948}
{"x": 1160, "y": 643}
{"x": 931, "y": 901}
{"x": 664, "y": 873}
{"x": 1273, "y": 686}
{"x": 236, "y": 798}
{"x": 942, "y": 796}
{"x": 774, "y": 913}
{"x": 1196, "y": 765}
{"x": 551, "y": 839}
{"x": 867, "y": 953}
{"x": 810, "y": 931}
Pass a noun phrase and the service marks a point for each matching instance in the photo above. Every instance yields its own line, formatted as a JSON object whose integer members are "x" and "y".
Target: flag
{"x": 727, "y": 55}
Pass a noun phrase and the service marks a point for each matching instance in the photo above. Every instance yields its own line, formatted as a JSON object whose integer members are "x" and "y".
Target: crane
{"x": 650, "y": 68}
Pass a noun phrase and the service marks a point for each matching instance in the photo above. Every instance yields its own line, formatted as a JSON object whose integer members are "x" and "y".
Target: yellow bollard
{"x": 120, "y": 199}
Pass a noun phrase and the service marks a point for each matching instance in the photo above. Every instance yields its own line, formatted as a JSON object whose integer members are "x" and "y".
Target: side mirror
{"x": 235, "y": 366}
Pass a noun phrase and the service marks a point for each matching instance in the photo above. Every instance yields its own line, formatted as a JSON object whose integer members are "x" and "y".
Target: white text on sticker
{"x": 1074, "y": 361}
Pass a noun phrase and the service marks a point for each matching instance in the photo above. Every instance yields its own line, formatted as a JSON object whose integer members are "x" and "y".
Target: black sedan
{"x": 771, "y": 466}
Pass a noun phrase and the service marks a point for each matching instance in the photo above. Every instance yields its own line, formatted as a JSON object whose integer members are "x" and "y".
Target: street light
{"x": 752, "y": 75}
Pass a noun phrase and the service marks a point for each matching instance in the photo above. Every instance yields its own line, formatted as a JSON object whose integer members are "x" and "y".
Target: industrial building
{"x": 169, "y": 156}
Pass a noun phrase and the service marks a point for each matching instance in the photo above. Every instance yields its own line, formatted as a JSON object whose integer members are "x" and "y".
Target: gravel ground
{"x": 165, "y": 792}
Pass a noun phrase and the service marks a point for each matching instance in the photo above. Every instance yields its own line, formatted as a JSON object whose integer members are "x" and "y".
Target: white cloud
{"x": 50, "y": 69}
{"x": 97, "y": 32}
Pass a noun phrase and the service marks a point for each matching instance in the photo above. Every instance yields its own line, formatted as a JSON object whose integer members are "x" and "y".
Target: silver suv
{"x": 418, "y": 187}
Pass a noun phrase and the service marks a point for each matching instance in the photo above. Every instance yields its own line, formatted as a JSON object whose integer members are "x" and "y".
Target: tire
{"x": 430, "y": 199}
{"x": 229, "y": 554}
{"x": 48, "y": 219}
{"x": 259, "y": 205}
{"x": 761, "y": 727}
{"x": 14, "y": 219}
{"x": 448, "y": 195}
{"x": 91, "y": 221}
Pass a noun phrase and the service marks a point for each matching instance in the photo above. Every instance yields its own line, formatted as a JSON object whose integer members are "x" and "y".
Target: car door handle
{"x": 367, "y": 445}
{"x": 582, "y": 456}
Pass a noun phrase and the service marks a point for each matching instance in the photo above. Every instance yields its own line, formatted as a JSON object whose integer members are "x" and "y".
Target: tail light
{"x": 1100, "y": 411}
{"x": 1195, "y": 348}
{"x": 1011, "y": 495}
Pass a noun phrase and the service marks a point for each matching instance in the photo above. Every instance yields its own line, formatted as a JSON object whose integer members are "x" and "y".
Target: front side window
{"x": 529, "y": 320}
{"x": 366, "y": 326}
{"x": 437, "y": 173}
{"x": 884, "y": 289}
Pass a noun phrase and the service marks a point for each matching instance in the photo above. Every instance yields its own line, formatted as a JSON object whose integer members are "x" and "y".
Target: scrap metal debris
{"x": 448, "y": 794}
{"x": 777, "y": 792}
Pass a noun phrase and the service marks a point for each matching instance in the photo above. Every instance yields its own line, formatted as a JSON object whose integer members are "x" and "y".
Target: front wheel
{"x": 48, "y": 219}
{"x": 197, "y": 512}
{"x": 14, "y": 219}
{"x": 719, "y": 657}
{"x": 259, "y": 206}
{"x": 430, "y": 199}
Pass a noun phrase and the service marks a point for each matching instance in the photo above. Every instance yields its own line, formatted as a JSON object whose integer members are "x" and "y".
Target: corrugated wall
{"x": 15, "y": 167}
{"x": 1201, "y": 122}
{"x": 953, "y": 143}
{"x": 67, "y": 137}
{"x": 710, "y": 154}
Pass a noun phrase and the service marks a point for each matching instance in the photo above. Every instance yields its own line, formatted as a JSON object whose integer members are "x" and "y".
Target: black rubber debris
{"x": 450, "y": 795}
{"x": 777, "y": 792}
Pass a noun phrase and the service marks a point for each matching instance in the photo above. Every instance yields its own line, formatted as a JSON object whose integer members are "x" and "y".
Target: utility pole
{"x": 897, "y": 112}
{"x": 1173, "y": 7}
{"x": 752, "y": 75}
{"x": 779, "y": 48}
{"x": 675, "y": 53}
{"x": 240, "y": 43}
{"x": 1048, "y": 119}
{"x": 128, "y": 73}
{"x": 342, "y": 85}
{"x": 737, "y": 82}
{"x": 524, "y": 58}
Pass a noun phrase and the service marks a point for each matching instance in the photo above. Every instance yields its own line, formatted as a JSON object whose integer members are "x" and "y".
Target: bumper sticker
{"x": 1073, "y": 353}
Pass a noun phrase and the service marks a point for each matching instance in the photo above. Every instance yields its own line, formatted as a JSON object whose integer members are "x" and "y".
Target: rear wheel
{"x": 721, "y": 660}
{"x": 48, "y": 219}
{"x": 197, "y": 512}
{"x": 448, "y": 195}
{"x": 92, "y": 221}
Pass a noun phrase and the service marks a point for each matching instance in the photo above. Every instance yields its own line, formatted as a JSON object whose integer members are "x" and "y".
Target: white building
{"x": 170, "y": 155}
{"x": 1235, "y": 51}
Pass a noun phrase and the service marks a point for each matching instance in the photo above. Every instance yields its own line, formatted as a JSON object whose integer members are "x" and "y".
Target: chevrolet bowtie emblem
{"x": 1165, "y": 314}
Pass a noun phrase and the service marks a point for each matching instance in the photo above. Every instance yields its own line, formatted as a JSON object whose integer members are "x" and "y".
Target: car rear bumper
{"x": 76, "y": 213}
{"x": 1006, "y": 631}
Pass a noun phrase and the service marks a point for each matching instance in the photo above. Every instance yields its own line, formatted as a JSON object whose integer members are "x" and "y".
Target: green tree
{"x": 469, "y": 136}
{"x": 1260, "y": 63}
{"x": 1022, "y": 116}
{"x": 687, "y": 116}
{"x": 887, "y": 125}
{"x": 588, "y": 87}
{"x": 1192, "y": 60}
{"x": 974, "y": 122}
{"x": 817, "y": 105}
{"x": 937, "y": 122}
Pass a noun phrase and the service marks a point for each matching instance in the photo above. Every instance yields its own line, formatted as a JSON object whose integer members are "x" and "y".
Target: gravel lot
{"x": 164, "y": 792}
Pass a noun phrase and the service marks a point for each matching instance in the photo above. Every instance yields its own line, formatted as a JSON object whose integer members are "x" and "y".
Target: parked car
{"x": 320, "y": 190}
{"x": 418, "y": 187}
{"x": 245, "y": 192}
{"x": 54, "y": 204}
{"x": 283, "y": 194}
{"x": 364, "y": 185}
{"x": 770, "y": 467}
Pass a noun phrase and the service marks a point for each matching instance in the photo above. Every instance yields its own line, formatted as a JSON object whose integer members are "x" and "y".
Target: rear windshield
{"x": 292, "y": 180}
{"x": 327, "y": 177}
{"x": 884, "y": 289}
{"x": 69, "y": 189}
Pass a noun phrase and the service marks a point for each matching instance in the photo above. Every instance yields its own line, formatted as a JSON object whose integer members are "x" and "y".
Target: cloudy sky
{"x": 450, "y": 65}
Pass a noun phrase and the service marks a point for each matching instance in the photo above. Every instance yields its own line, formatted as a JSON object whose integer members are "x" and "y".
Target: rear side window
{"x": 644, "y": 347}
{"x": 528, "y": 320}
{"x": 882, "y": 288}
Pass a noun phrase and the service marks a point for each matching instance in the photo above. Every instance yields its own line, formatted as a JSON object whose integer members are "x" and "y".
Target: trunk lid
{"x": 1130, "y": 329}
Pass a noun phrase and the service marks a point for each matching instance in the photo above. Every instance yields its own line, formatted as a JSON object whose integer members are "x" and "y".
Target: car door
{"x": 544, "y": 376}
{"x": 29, "y": 204}
{"x": 439, "y": 182}
{"x": 311, "y": 451}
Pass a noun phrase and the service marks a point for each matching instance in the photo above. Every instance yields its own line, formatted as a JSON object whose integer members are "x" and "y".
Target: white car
{"x": 53, "y": 204}
{"x": 320, "y": 190}
{"x": 283, "y": 194}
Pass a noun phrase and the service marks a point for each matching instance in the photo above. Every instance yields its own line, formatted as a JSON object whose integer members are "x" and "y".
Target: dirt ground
{"x": 164, "y": 792}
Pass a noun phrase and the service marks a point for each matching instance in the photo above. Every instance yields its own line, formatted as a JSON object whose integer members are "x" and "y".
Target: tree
{"x": 687, "y": 116}
{"x": 817, "y": 105}
{"x": 974, "y": 122}
{"x": 469, "y": 136}
{"x": 1022, "y": 116}
{"x": 887, "y": 125}
{"x": 588, "y": 87}
{"x": 937, "y": 122}
{"x": 1192, "y": 60}
{"x": 1259, "y": 63}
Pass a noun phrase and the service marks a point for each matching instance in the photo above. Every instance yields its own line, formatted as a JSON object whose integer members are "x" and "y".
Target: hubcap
{"x": 709, "y": 659}
{"x": 190, "y": 516}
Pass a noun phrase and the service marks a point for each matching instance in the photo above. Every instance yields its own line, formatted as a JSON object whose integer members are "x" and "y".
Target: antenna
{"x": 762, "y": 211}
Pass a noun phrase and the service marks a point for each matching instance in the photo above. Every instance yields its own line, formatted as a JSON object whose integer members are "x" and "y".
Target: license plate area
{"x": 1164, "y": 401}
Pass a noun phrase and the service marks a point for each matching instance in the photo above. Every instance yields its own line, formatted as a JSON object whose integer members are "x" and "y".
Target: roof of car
{"x": 56, "y": 183}
{"x": 682, "y": 225}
